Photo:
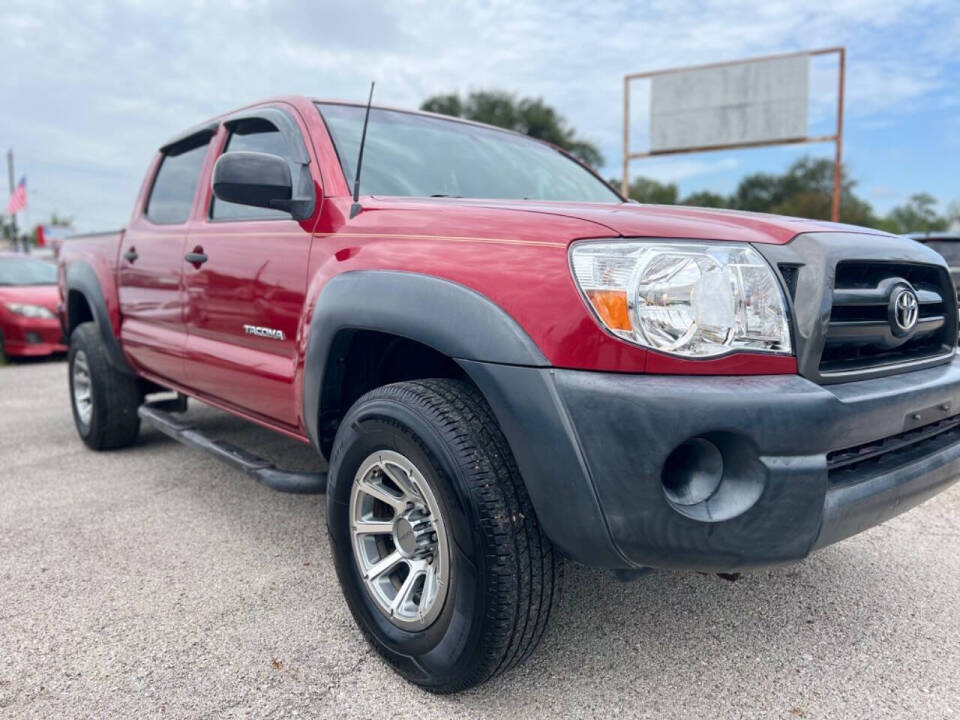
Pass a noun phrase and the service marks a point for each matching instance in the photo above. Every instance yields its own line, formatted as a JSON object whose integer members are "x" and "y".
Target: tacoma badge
{"x": 264, "y": 332}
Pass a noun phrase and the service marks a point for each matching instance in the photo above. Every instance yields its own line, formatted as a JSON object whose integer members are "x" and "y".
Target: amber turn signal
{"x": 611, "y": 306}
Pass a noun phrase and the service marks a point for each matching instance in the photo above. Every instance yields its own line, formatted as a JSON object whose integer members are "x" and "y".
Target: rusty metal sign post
{"x": 792, "y": 139}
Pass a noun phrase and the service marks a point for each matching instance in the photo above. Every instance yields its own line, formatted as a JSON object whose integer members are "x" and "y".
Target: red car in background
{"x": 28, "y": 308}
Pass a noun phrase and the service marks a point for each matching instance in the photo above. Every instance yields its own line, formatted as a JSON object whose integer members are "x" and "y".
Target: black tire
{"x": 504, "y": 573}
{"x": 113, "y": 422}
{"x": 3, "y": 356}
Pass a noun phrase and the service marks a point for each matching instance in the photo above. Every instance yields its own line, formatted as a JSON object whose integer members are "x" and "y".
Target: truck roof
{"x": 211, "y": 124}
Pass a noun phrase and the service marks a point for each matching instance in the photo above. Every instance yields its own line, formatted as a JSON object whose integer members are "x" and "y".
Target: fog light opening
{"x": 692, "y": 472}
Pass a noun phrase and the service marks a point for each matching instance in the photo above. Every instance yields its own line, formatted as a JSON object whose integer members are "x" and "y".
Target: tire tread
{"x": 524, "y": 571}
{"x": 115, "y": 423}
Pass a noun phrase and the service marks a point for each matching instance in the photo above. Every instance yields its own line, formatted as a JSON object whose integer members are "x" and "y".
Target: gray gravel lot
{"x": 155, "y": 581}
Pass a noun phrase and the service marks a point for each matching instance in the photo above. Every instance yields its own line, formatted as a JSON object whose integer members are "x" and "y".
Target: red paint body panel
{"x": 30, "y": 337}
{"x": 679, "y": 221}
{"x": 99, "y": 252}
{"x": 252, "y": 278}
{"x": 150, "y": 292}
{"x": 185, "y": 325}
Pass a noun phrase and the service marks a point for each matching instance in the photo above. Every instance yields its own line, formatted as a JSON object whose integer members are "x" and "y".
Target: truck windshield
{"x": 23, "y": 271}
{"x": 420, "y": 156}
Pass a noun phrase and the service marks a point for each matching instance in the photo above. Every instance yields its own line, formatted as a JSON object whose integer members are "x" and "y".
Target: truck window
{"x": 176, "y": 182}
{"x": 253, "y": 135}
{"x": 408, "y": 154}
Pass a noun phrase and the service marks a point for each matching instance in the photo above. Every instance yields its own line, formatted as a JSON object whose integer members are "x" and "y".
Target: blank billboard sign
{"x": 740, "y": 104}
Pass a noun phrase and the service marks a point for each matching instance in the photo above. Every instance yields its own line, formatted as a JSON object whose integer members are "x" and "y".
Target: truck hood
{"x": 638, "y": 220}
{"x": 680, "y": 221}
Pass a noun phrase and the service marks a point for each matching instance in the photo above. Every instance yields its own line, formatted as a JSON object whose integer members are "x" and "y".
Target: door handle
{"x": 130, "y": 255}
{"x": 196, "y": 258}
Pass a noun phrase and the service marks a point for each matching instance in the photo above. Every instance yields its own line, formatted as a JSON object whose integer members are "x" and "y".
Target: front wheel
{"x": 104, "y": 400}
{"x": 437, "y": 547}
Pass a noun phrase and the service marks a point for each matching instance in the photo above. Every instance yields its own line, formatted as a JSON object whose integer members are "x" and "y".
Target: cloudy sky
{"x": 89, "y": 89}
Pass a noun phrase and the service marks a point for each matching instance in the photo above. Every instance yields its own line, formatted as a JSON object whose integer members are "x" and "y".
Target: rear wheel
{"x": 436, "y": 544}
{"x": 104, "y": 400}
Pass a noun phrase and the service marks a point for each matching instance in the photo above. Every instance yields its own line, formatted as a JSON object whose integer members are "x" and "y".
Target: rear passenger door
{"x": 150, "y": 266}
{"x": 245, "y": 300}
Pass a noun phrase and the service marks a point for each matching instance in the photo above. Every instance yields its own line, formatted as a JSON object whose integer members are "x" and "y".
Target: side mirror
{"x": 252, "y": 178}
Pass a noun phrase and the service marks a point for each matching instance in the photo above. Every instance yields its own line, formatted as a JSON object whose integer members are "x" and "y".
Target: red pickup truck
{"x": 506, "y": 364}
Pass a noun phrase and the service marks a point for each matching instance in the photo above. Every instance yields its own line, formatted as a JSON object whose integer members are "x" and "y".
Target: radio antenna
{"x": 356, "y": 208}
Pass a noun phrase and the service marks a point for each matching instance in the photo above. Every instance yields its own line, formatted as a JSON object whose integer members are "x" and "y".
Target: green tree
{"x": 953, "y": 215}
{"x": 648, "y": 190}
{"x": 804, "y": 190}
{"x": 705, "y": 198}
{"x": 757, "y": 192}
{"x": 6, "y": 228}
{"x": 531, "y": 116}
{"x": 449, "y": 104}
{"x": 918, "y": 214}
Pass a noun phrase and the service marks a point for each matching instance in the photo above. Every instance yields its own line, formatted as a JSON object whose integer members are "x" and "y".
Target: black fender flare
{"x": 80, "y": 277}
{"x": 503, "y": 362}
{"x": 446, "y": 316}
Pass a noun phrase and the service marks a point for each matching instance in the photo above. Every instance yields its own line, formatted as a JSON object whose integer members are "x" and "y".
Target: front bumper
{"x": 592, "y": 448}
{"x": 32, "y": 337}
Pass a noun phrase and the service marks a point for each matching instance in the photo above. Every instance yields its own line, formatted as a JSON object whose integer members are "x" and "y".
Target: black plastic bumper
{"x": 591, "y": 447}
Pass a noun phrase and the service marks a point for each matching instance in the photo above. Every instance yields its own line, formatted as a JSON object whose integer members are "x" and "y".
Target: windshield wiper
{"x": 447, "y": 196}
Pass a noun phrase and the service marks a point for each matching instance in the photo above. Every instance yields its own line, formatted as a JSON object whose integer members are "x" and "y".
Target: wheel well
{"x": 361, "y": 360}
{"x": 78, "y": 310}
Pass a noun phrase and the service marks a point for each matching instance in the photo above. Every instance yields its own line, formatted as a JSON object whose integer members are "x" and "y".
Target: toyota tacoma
{"x": 506, "y": 364}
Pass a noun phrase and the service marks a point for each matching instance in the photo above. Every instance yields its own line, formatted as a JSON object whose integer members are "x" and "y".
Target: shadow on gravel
{"x": 285, "y": 452}
{"x": 11, "y": 362}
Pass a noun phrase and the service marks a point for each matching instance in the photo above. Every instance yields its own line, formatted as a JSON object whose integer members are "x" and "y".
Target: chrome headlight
{"x": 693, "y": 299}
{"x": 30, "y": 311}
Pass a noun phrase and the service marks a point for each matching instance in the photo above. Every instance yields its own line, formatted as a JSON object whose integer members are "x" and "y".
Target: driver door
{"x": 245, "y": 290}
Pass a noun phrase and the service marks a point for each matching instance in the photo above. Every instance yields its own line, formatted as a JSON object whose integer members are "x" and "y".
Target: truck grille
{"x": 852, "y": 464}
{"x": 862, "y": 334}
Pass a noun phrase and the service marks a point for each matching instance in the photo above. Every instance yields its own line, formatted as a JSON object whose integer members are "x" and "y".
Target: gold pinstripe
{"x": 451, "y": 238}
{"x": 397, "y": 236}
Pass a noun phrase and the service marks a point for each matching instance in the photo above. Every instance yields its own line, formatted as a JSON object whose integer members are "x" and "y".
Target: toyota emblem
{"x": 906, "y": 308}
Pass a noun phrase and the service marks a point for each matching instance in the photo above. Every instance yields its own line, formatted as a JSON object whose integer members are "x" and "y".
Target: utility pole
{"x": 838, "y": 159}
{"x": 13, "y": 218}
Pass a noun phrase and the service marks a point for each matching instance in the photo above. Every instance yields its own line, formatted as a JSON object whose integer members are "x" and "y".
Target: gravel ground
{"x": 155, "y": 581}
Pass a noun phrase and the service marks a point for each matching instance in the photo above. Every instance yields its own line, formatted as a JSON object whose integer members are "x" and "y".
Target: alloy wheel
{"x": 399, "y": 540}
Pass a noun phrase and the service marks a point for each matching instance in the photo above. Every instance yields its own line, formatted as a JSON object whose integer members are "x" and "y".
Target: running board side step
{"x": 302, "y": 483}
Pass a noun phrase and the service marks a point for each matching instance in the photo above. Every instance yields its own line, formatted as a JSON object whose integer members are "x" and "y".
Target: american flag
{"x": 18, "y": 200}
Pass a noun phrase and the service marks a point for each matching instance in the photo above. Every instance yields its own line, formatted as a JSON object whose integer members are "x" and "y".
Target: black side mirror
{"x": 252, "y": 178}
